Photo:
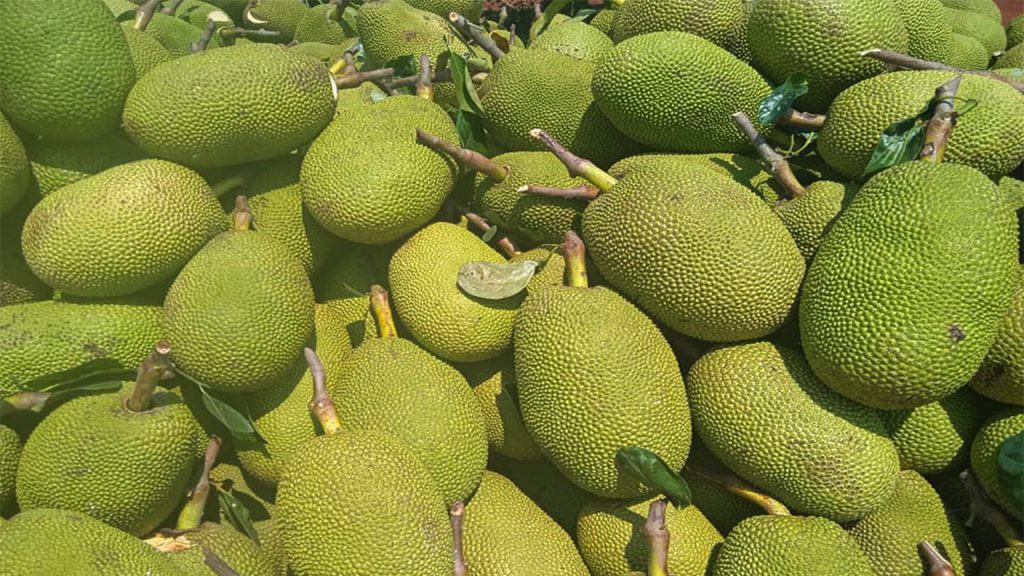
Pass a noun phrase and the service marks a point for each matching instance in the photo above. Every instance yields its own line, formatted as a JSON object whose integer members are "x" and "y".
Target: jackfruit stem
{"x": 241, "y": 217}
{"x": 343, "y": 66}
{"x": 940, "y": 127}
{"x": 258, "y": 34}
{"x": 578, "y": 167}
{"x": 481, "y": 224}
{"x": 457, "y": 518}
{"x": 424, "y": 86}
{"x": 468, "y": 159}
{"x": 898, "y": 60}
{"x": 204, "y": 41}
{"x": 934, "y": 563}
{"x": 216, "y": 564}
{"x": 982, "y": 507}
{"x": 321, "y": 405}
{"x": 382, "y": 312}
{"x": 584, "y": 191}
{"x": 191, "y": 515}
{"x": 144, "y": 14}
{"x": 156, "y": 367}
{"x": 575, "y": 254}
{"x": 354, "y": 79}
{"x": 775, "y": 162}
{"x": 804, "y": 120}
{"x": 658, "y": 536}
{"x": 476, "y": 34}
{"x": 737, "y": 486}
{"x": 171, "y": 7}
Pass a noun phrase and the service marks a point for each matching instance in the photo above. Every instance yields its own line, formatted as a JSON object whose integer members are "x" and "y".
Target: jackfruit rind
{"x": 18, "y": 285}
{"x": 177, "y": 36}
{"x": 577, "y": 39}
{"x": 57, "y": 164}
{"x": 234, "y": 548}
{"x": 808, "y": 216}
{"x": 14, "y": 168}
{"x": 906, "y": 293}
{"x": 286, "y": 98}
{"x": 281, "y": 16}
{"x": 937, "y": 436}
{"x": 762, "y": 412}
{"x": 1007, "y": 561}
{"x": 929, "y": 30}
{"x": 1001, "y": 376}
{"x": 1015, "y": 31}
{"x": 722, "y": 22}
{"x": 63, "y": 78}
{"x": 985, "y": 7}
{"x": 675, "y": 91}
{"x": 986, "y": 30}
{"x": 1012, "y": 58}
{"x": 10, "y": 452}
{"x": 968, "y": 53}
{"x": 317, "y": 25}
{"x": 494, "y": 385}
{"x": 470, "y": 9}
{"x": 147, "y": 52}
{"x": 1004, "y": 423}
{"x": 280, "y": 213}
{"x": 986, "y": 137}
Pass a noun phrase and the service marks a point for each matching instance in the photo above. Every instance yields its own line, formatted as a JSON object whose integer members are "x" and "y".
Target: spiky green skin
{"x": 375, "y": 499}
{"x": 177, "y": 36}
{"x": 968, "y": 53}
{"x": 743, "y": 169}
{"x": 577, "y": 39}
{"x": 1004, "y": 562}
{"x": 198, "y": 13}
{"x": 721, "y": 507}
{"x": 469, "y": 8}
{"x": 604, "y": 18}
{"x": 790, "y": 546}
{"x": 935, "y": 437}
{"x": 58, "y": 164}
{"x": 228, "y": 476}
{"x": 14, "y": 168}
{"x": 10, "y": 452}
{"x": 317, "y": 25}
{"x": 1013, "y": 58}
{"x": 236, "y": 550}
{"x": 808, "y": 216}
{"x": 985, "y": 7}
{"x": 929, "y": 30}
{"x": 986, "y": 30}
{"x": 1001, "y": 376}
{"x": 545, "y": 486}
{"x": 1015, "y": 32}
{"x": 76, "y": 544}
{"x": 130, "y": 470}
{"x": 911, "y": 255}
{"x": 280, "y": 213}
{"x": 1006, "y": 422}
{"x": 271, "y": 543}
{"x": 147, "y": 53}
{"x": 494, "y": 385}
{"x": 723, "y": 23}
{"x": 281, "y": 16}
{"x": 18, "y": 285}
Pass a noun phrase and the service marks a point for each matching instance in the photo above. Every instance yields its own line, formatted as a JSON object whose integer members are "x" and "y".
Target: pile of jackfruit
{"x": 511, "y": 288}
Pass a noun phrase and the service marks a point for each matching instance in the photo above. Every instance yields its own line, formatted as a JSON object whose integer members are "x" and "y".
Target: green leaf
{"x": 584, "y": 14}
{"x": 899, "y": 143}
{"x": 407, "y": 65}
{"x": 237, "y": 513}
{"x": 550, "y": 12}
{"x": 85, "y": 373}
{"x": 465, "y": 92}
{"x": 496, "y": 281}
{"x": 649, "y": 469}
{"x": 348, "y": 16}
{"x": 781, "y": 99}
{"x": 1010, "y": 468}
{"x": 471, "y": 131}
{"x": 239, "y": 425}
{"x": 489, "y": 235}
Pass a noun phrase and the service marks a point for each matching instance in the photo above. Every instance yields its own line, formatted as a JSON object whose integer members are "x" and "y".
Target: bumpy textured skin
{"x": 585, "y": 392}
{"x": 60, "y": 82}
{"x": 280, "y": 213}
{"x": 721, "y": 507}
{"x": 1013, "y": 58}
{"x": 1004, "y": 423}
{"x": 317, "y": 25}
{"x": 511, "y": 97}
{"x": 259, "y": 101}
{"x": 696, "y": 250}
{"x": 366, "y": 198}
{"x": 982, "y": 28}
{"x": 40, "y": 338}
{"x": 494, "y": 385}
{"x": 761, "y": 411}
{"x": 929, "y": 30}
{"x": 444, "y": 319}
{"x": 808, "y": 216}
{"x": 968, "y": 53}
{"x": 537, "y": 219}
{"x": 18, "y": 285}
{"x": 985, "y": 138}
{"x": 506, "y": 533}
{"x": 282, "y": 16}
{"x": 551, "y": 270}
{"x": 361, "y": 502}
{"x": 14, "y": 169}
{"x": 790, "y": 546}
{"x": 10, "y": 451}
{"x": 393, "y": 386}
{"x": 147, "y": 53}
{"x": 906, "y": 293}
{"x": 239, "y": 313}
{"x": 130, "y": 470}
{"x": 1001, "y": 376}
{"x": 469, "y": 8}
{"x": 823, "y": 40}
{"x": 984, "y": 7}
{"x": 722, "y": 22}
{"x": 1004, "y": 562}
{"x": 545, "y": 486}
{"x": 611, "y": 538}
{"x": 281, "y": 411}
{"x": 236, "y": 550}
{"x": 122, "y": 230}
{"x": 577, "y": 39}
{"x": 76, "y": 544}
{"x": 272, "y": 544}
{"x": 935, "y": 437}
{"x": 675, "y": 91}
{"x": 1015, "y": 31}
{"x": 197, "y": 13}
{"x": 57, "y": 164}
{"x": 177, "y": 36}
{"x": 228, "y": 476}
{"x": 889, "y": 535}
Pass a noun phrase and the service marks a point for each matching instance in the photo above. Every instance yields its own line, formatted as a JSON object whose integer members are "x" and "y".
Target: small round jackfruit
{"x": 935, "y": 437}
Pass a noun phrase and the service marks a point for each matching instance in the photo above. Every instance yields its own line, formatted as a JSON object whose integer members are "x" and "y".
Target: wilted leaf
{"x": 496, "y": 281}
{"x": 1010, "y": 467}
{"x": 649, "y": 469}
{"x": 348, "y": 17}
{"x": 237, "y": 513}
{"x": 84, "y": 374}
{"x": 781, "y": 99}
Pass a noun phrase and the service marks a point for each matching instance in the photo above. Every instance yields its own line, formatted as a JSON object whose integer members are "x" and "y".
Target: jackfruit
{"x": 271, "y": 544}
{"x": 929, "y": 30}
{"x": 604, "y": 19}
{"x": 611, "y": 538}
{"x": 790, "y": 546}
{"x": 10, "y": 452}
{"x": 18, "y": 285}
{"x": 345, "y": 283}
{"x": 809, "y": 215}
{"x": 471, "y": 9}
{"x": 146, "y": 51}
{"x": 178, "y": 36}
{"x": 282, "y": 16}
{"x": 551, "y": 268}
{"x": 494, "y": 385}
{"x": 228, "y": 476}
{"x": 545, "y": 486}
{"x": 935, "y": 437}
{"x": 506, "y": 533}
{"x": 721, "y": 507}
{"x": 724, "y": 23}
{"x": 985, "y": 7}
{"x": 982, "y": 28}
{"x": 920, "y": 334}
{"x": 675, "y": 91}
{"x": 1015, "y": 31}
{"x": 823, "y": 40}
{"x": 1001, "y": 376}
{"x": 57, "y": 164}
{"x": 1004, "y": 423}
{"x": 285, "y": 99}
{"x": 1007, "y": 561}
{"x": 577, "y": 39}
{"x": 761, "y": 411}
{"x": 199, "y": 13}
{"x": 1013, "y": 58}
{"x": 122, "y": 230}
{"x": 63, "y": 78}
{"x": 323, "y": 24}
{"x": 968, "y": 53}
{"x": 234, "y": 548}
{"x": 889, "y": 536}
{"x": 14, "y": 168}
{"x": 984, "y": 137}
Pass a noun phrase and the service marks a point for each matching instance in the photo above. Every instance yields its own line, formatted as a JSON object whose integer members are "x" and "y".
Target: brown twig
{"x": 575, "y": 254}
{"x": 424, "y": 86}
{"x": 191, "y": 515}
{"x": 321, "y": 405}
{"x": 481, "y": 224}
{"x": 214, "y": 562}
{"x": 538, "y": 12}
{"x": 468, "y": 159}
{"x": 171, "y": 7}
{"x": 934, "y": 563}
{"x": 940, "y": 126}
{"x": 584, "y": 191}
{"x": 144, "y": 14}
{"x": 897, "y": 60}
{"x": 457, "y": 518}
{"x": 355, "y": 79}
{"x": 241, "y": 217}
{"x": 802, "y": 120}
{"x": 381, "y": 306}
{"x": 156, "y": 367}
{"x": 777, "y": 164}
{"x": 204, "y": 41}
{"x": 578, "y": 167}
{"x": 658, "y": 537}
{"x": 476, "y": 34}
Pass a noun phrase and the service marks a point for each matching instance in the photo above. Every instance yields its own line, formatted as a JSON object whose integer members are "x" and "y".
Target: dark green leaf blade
{"x": 66, "y": 393}
{"x": 239, "y": 425}
{"x": 781, "y": 99}
{"x": 471, "y": 131}
{"x": 237, "y": 513}
{"x": 1010, "y": 468}
{"x": 404, "y": 66}
{"x": 88, "y": 371}
{"x": 465, "y": 91}
{"x": 649, "y": 469}
{"x": 549, "y": 14}
{"x": 899, "y": 143}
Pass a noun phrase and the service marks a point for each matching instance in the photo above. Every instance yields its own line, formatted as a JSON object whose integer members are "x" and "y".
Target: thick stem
{"x": 171, "y": 7}
{"x": 777, "y": 164}
{"x": 897, "y": 60}
{"x": 577, "y": 166}
{"x": 934, "y": 563}
{"x": 342, "y": 66}
{"x": 457, "y": 518}
{"x": 424, "y": 86}
{"x": 468, "y": 159}
{"x": 204, "y": 41}
{"x": 575, "y": 254}
{"x": 381, "y": 308}
{"x": 191, "y": 515}
{"x": 657, "y": 539}
{"x": 339, "y": 10}
{"x": 940, "y": 126}
{"x": 155, "y": 368}
{"x": 144, "y": 14}
{"x": 802, "y": 120}
{"x": 476, "y": 34}
{"x": 438, "y": 76}
{"x": 214, "y": 562}
{"x": 511, "y": 35}
{"x": 321, "y": 406}
{"x": 481, "y": 224}
{"x": 740, "y": 488}
{"x": 585, "y": 191}
{"x": 355, "y": 79}
{"x": 991, "y": 513}
{"x": 241, "y": 217}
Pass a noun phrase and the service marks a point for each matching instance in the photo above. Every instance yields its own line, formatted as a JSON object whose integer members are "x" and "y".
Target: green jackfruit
{"x": 724, "y": 23}
{"x": 18, "y": 285}
{"x": 604, "y": 19}
{"x": 968, "y": 53}
{"x": 57, "y": 164}
{"x": 469, "y": 8}
{"x": 1013, "y": 58}
{"x": 506, "y": 533}
{"x": 271, "y": 543}
{"x": 63, "y": 78}
{"x": 985, "y": 7}
{"x": 323, "y": 24}
{"x": 675, "y": 91}
{"x": 345, "y": 283}
{"x": 494, "y": 384}
{"x": 762, "y": 412}
{"x": 790, "y": 546}
{"x": 550, "y": 271}
{"x": 982, "y": 28}
{"x": 177, "y": 35}
{"x": 198, "y": 13}
{"x": 721, "y": 507}
{"x": 1004, "y": 562}
{"x": 282, "y": 16}
{"x": 545, "y": 486}
{"x": 1001, "y": 376}
{"x": 147, "y": 52}
{"x": 228, "y": 476}
{"x": 950, "y": 293}
{"x": 1004, "y": 423}
{"x": 929, "y": 30}
{"x": 287, "y": 99}
{"x": 14, "y": 168}
{"x": 234, "y": 548}
{"x": 809, "y": 215}
{"x": 1015, "y": 31}
{"x": 935, "y": 437}
{"x": 10, "y": 452}
{"x": 577, "y": 39}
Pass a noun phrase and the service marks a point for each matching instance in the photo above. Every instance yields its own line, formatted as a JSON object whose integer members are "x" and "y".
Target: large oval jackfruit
{"x": 722, "y": 22}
